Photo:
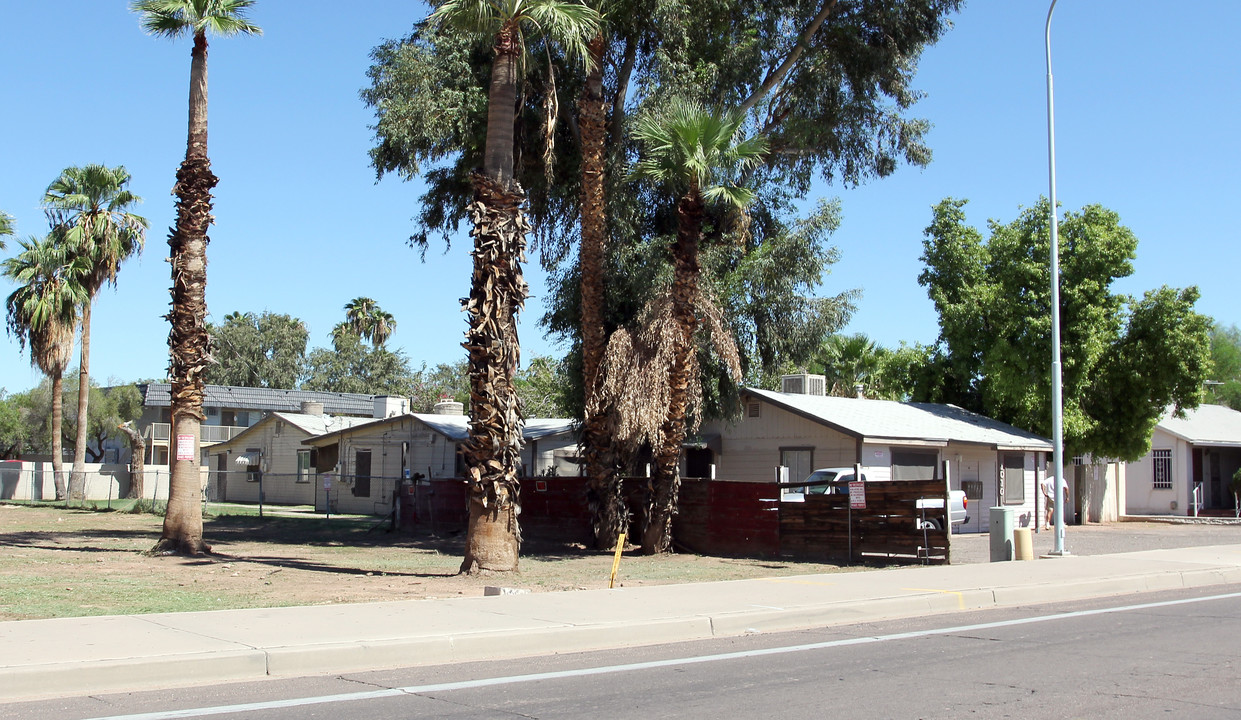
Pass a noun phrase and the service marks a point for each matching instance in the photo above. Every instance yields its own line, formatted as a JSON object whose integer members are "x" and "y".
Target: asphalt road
{"x": 1152, "y": 655}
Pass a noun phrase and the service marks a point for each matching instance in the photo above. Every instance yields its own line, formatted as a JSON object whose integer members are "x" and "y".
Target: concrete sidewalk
{"x": 78, "y": 656}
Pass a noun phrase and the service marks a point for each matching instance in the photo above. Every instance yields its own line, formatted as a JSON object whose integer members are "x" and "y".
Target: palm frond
{"x": 173, "y": 18}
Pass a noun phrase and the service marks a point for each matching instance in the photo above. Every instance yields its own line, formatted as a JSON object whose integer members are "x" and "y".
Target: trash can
{"x": 1001, "y": 534}
{"x": 1023, "y": 544}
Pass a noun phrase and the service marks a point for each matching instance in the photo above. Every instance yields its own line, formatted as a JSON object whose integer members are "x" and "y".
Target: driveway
{"x": 1106, "y": 539}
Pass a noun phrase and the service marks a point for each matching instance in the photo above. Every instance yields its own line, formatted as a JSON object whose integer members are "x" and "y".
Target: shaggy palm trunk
{"x": 493, "y": 450}
{"x": 666, "y": 479}
{"x": 497, "y": 292}
{"x": 77, "y": 480}
{"x": 607, "y": 504}
{"x": 58, "y": 414}
{"x": 188, "y": 340}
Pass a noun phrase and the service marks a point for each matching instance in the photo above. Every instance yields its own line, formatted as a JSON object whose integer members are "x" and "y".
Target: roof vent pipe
{"x": 858, "y": 390}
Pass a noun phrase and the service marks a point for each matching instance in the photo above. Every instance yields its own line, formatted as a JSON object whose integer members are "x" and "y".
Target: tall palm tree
{"x": 91, "y": 206}
{"x": 498, "y": 290}
{"x": 694, "y": 154}
{"x": 849, "y": 361}
{"x": 383, "y": 324}
{"x": 610, "y": 517}
{"x": 358, "y": 315}
{"x": 6, "y": 227}
{"x": 188, "y": 340}
{"x": 367, "y": 320}
{"x": 43, "y": 313}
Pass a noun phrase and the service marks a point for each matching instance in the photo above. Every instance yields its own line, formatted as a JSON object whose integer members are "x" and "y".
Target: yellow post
{"x": 620, "y": 548}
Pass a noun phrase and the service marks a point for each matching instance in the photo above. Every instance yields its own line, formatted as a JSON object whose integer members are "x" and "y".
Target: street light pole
{"x": 1057, "y": 392}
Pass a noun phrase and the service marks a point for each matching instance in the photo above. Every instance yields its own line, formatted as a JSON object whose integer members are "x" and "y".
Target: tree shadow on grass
{"x": 76, "y": 540}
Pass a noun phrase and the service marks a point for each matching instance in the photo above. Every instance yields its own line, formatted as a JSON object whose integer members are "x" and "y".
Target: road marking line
{"x": 653, "y": 664}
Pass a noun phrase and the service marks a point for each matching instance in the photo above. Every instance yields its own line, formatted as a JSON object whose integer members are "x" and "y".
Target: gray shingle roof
{"x": 1206, "y": 425}
{"x": 889, "y": 420}
{"x": 457, "y": 427}
{"x": 267, "y": 399}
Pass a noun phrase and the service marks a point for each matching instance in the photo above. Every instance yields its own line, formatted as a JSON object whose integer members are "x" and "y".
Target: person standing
{"x": 1048, "y": 488}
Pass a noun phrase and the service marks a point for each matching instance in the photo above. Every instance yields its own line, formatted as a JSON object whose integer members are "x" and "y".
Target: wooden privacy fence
{"x": 717, "y": 517}
{"x": 825, "y": 527}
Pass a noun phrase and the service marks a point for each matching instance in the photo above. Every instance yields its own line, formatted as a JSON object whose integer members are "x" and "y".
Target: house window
{"x": 799, "y": 461}
{"x": 362, "y": 473}
{"x": 914, "y": 464}
{"x": 303, "y": 466}
{"x": 1162, "y": 469}
{"x": 1014, "y": 481}
{"x": 252, "y": 470}
{"x": 698, "y": 462}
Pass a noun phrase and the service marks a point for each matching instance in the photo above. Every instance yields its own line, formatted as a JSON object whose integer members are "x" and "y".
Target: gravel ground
{"x": 1109, "y": 538}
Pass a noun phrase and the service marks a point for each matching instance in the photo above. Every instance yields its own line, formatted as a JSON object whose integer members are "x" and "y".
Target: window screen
{"x": 799, "y": 461}
{"x": 914, "y": 464}
{"x": 1014, "y": 479}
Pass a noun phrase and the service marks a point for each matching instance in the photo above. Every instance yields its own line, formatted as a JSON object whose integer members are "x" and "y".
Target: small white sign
{"x": 327, "y": 481}
{"x": 185, "y": 447}
{"x": 857, "y": 495}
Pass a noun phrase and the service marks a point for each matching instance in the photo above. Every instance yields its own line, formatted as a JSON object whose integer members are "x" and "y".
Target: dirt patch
{"x": 66, "y": 563}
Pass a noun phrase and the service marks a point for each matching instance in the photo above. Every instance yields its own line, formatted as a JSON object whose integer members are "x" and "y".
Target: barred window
{"x": 1162, "y": 469}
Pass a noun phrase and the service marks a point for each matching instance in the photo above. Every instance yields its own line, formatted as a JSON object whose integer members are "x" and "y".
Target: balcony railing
{"x": 159, "y": 433}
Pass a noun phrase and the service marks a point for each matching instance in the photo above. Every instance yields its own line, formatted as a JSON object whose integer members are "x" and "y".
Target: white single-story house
{"x": 995, "y": 463}
{"x": 1190, "y": 464}
{"x": 361, "y": 467}
{"x": 269, "y": 455}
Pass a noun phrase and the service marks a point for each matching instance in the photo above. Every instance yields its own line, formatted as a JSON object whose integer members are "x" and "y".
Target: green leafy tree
{"x": 830, "y": 81}
{"x": 188, "y": 340}
{"x": 697, "y": 156}
{"x": 908, "y": 372}
{"x": 542, "y": 386}
{"x": 498, "y": 289}
{"x": 446, "y": 381}
{"x": 1225, "y": 378}
{"x": 91, "y": 206}
{"x": 266, "y": 350}
{"x": 352, "y": 367}
{"x": 42, "y": 313}
{"x": 14, "y": 431}
{"x": 1125, "y": 360}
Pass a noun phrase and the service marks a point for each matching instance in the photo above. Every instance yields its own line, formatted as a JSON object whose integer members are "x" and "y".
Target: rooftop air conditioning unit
{"x": 804, "y": 384}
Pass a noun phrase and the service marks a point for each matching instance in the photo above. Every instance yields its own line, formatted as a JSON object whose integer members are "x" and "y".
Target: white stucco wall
{"x": 1141, "y": 496}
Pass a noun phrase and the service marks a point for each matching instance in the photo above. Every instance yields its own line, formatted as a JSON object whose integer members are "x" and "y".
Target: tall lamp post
{"x": 1057, "y": 392}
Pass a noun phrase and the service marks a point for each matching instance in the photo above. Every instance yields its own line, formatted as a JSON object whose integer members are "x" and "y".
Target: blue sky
{"x": 1146, "y": 108}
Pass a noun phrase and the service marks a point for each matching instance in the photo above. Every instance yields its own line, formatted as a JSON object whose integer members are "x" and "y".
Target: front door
{"x": 221, "y": 477}
{"x": 362, "y": 473}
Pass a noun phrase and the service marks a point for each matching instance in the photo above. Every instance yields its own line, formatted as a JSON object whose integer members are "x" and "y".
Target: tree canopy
{"x": 1125, "y": 360}
{"x": 829, "y": 82}
{"x": 265, "y": 350}
{"x": 1225, "y": 380}
{"x": 352, "y": 367}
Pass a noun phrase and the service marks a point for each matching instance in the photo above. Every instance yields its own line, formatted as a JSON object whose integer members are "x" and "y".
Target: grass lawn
{"x": 72, "y": 562}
